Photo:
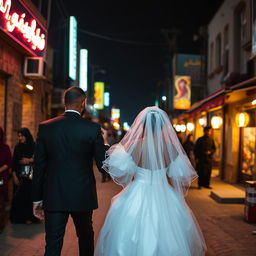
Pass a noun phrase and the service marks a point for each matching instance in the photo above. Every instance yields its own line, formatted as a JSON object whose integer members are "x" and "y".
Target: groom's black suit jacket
{"x": 63, "y": 171}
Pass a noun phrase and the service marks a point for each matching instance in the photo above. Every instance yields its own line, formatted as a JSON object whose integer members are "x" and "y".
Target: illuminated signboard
{"x": 115, "y": 113}
{"x": 83, "y": 78}
{"x": 182, "y": 92}
{"x": 106, "y": 99}
{"x": 19, "y": 23}
{"x": 72, "y": 47}
{"x": 99, "y": 95}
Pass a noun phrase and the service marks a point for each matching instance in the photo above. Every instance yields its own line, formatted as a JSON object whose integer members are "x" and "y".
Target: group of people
{"x": 200, "y": 155}
{"x": 18, "y": 167}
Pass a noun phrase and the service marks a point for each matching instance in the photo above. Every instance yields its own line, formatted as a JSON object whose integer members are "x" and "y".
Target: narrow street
{"x": 225, "y": 231}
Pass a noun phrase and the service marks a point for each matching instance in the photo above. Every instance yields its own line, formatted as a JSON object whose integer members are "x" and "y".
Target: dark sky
{"x": 133, "y": 70}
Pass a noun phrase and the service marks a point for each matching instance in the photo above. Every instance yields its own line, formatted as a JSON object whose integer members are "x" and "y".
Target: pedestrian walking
{"x": 204, "y": 151}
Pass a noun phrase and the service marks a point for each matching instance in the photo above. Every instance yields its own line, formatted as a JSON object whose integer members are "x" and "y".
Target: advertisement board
{"x": 99, "y": 95}
{"x": 182, "y": 94}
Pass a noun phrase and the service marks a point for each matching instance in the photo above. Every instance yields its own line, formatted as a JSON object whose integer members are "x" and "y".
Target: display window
{"x": 248, "y": 147}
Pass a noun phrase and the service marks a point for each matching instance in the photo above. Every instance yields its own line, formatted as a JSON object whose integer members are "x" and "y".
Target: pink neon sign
{"x": 21, "y": 25}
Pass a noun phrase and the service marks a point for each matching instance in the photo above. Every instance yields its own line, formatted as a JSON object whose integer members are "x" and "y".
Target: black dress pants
{"x": 204, "y": 170}
{"x": 55, "y": 224}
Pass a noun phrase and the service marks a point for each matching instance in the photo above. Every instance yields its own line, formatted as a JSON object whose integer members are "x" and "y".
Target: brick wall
{"x": 24, "y": 109}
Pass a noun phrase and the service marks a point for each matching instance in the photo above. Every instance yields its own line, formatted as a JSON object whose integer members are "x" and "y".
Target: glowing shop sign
{"x": 106, "y": 99}
{"x": 99, "y": 95}
{"x": 20, "y": 24}
{"x": 72, "y": 47}
{"x": 83, "y": 77}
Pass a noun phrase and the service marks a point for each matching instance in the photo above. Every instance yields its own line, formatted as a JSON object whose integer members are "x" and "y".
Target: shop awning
{"x": 213, "y": 101}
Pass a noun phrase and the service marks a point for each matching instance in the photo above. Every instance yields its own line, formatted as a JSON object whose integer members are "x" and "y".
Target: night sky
{"x": 134, "y": 69}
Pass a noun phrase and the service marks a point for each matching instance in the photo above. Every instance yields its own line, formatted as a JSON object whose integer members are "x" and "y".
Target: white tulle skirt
{"x": 149, "y": 219}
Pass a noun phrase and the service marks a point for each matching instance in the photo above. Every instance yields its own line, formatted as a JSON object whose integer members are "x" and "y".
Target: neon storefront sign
{"x": 20, "y": 24}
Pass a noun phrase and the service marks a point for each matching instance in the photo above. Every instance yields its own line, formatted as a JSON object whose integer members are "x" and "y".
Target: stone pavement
{"x": 225, "y": 231}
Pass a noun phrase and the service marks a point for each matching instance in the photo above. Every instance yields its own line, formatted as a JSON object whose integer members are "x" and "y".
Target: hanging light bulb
{"x": 216, "y": 122}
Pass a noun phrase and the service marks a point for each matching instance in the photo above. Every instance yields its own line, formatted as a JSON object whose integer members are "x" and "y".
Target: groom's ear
{"x": 84, "y": 103}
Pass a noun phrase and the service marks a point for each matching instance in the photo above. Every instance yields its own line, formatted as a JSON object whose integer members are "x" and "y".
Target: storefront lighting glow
{"x": 216, "y": 122}
{"x": 164, "y": 98}
{"x": 183, "y": 127}
{"x": 202, "y": 121}
{"x": 29, "y": 87}
{"x": 126, "y": 126}
{"x": 254, "y": 102}
{"x": 83, "y": 77}
{"x": 190, "y": 127}
{"x": 242, "y": 119}
{"x": 178, "y": 128}
{"x": 72, "y": 47}
{"x": 116, "y": 125}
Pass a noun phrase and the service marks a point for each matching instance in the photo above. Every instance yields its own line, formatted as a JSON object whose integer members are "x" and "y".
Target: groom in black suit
{"x": 63, "y": 178}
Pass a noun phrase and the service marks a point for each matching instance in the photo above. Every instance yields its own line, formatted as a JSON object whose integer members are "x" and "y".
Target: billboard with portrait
{"x": 182, "y": 94}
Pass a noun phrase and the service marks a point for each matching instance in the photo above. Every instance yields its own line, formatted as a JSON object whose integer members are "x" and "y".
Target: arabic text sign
{"x": 189, "y": 65}
{"x": 19, "y": 23}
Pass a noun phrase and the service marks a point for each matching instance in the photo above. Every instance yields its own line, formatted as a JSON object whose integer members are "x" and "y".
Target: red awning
{"x": 208, "y": 103}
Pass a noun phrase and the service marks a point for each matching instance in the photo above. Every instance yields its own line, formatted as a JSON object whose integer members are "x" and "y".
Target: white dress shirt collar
{"x": 73, "y": 111}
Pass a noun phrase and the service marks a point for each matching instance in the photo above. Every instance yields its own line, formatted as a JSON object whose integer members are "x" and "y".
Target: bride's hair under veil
{"x": 151, "y": 144}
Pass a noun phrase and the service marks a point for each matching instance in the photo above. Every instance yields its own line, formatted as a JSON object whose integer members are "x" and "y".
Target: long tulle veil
{"x": 151, "y": 144}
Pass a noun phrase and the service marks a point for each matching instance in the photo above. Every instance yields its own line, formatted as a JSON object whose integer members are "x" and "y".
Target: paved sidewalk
{"x": 225, "y": 231}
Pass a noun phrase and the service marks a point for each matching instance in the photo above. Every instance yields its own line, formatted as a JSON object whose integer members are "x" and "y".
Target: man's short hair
{"x": 207, "y": 128}
{"x": 72, "y": 94}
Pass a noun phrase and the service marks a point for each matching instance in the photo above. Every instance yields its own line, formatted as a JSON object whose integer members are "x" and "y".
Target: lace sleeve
{"x": 119, "y": 165}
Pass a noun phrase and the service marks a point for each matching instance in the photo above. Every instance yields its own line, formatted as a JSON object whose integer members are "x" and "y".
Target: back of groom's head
{"x": 74, "y": 96}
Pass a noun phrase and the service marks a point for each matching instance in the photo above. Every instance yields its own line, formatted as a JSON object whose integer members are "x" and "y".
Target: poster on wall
{"x": 182, "y": 94}
{"x": 253, "y": 28}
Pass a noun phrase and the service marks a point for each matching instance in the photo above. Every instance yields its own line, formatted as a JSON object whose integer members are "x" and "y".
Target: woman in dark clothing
{"x": 189, "y": 148}
{"x": 22, "y": 205}
{"x": 5, "y": 165}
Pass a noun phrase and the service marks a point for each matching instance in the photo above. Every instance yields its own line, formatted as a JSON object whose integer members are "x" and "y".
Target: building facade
{"x": 24, "y": 91}
{"x": 230, "y": 106}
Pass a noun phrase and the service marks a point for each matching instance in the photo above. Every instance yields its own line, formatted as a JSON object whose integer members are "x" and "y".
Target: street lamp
{"x": 164, "y": 98}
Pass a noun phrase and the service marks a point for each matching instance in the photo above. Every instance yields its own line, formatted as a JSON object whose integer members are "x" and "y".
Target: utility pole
{"x": 171, "y": 37}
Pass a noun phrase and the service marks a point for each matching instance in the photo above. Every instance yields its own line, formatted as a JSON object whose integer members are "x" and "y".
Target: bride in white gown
{"x": 150, "y": 217}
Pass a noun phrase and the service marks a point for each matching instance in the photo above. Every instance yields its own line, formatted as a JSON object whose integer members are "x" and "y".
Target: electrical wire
{"x": 117, "y": 40}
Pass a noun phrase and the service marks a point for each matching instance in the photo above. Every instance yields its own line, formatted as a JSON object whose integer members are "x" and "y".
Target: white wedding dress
{"x": 148, "y": 217}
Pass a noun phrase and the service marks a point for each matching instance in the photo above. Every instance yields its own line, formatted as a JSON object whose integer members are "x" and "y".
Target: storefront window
{"x": 249, "y": 147}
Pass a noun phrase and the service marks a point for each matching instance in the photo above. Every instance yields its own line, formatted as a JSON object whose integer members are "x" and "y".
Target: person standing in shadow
{"x": 204, "y": 150}
{"x": 189, "y": 146}
{"x": 22, "y": 205}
